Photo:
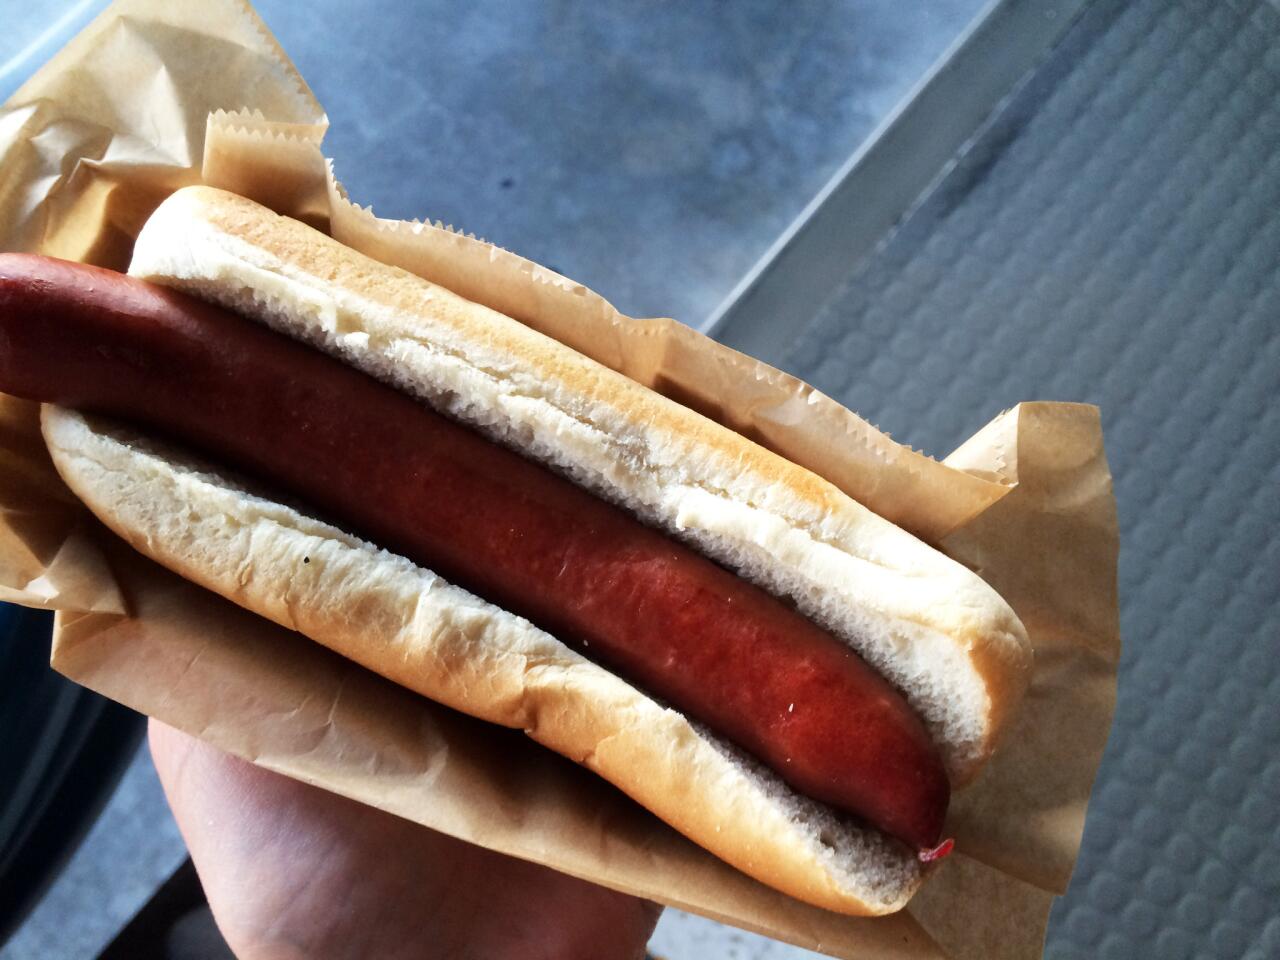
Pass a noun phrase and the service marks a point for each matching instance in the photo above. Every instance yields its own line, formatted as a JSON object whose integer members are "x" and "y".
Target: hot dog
{"x": 441, "y": 495}
{"x": 383, "y": 465}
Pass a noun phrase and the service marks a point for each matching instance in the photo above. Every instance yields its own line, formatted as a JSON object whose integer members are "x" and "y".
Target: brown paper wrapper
{"x": 152, "y": 96}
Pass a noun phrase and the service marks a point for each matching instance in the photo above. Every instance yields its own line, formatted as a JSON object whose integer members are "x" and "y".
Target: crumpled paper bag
{"x": 153, "y": 96}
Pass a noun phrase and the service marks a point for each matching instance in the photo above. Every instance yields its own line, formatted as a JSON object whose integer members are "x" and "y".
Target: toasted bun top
{"x": 933, "y": 627}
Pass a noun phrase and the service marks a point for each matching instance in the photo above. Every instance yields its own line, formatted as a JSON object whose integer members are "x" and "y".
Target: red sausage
{"x": 375, "y": 460}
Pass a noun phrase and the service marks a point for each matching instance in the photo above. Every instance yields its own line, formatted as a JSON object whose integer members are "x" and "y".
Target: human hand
{"x": 292, "y": 872}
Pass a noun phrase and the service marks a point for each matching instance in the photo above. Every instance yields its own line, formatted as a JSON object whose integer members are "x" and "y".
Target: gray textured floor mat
{"x": 1113, "y": 236}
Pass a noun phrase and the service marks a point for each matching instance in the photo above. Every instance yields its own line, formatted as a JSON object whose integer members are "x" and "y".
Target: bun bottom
{"x": 409, "y": 625}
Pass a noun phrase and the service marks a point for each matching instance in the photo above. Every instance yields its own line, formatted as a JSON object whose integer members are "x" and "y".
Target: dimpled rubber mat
{"x": 1112, "y": 235}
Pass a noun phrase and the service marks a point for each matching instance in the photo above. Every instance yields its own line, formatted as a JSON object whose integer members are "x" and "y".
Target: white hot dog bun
{"x": 932, "y": 627}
